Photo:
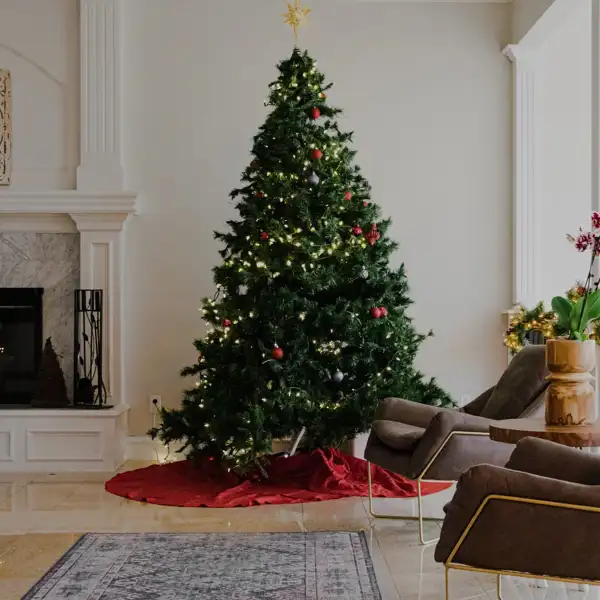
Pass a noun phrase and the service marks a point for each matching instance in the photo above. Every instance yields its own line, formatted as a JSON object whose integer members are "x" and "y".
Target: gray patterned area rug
{"x": 212, "y": 566}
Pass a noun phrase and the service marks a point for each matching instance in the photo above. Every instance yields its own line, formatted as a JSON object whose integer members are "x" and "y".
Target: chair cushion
{"x": 385, "y": 457}
{"x": 476, "y": 406}
{"x": 398, "y": 436}
{"x": 522, "y": 382}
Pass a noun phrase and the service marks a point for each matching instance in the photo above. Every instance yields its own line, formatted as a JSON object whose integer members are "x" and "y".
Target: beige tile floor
{"x": 42, "y": 516}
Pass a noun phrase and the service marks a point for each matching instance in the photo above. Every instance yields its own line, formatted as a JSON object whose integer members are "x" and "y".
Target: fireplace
{"x": 21, "y": 331}
{"x": 61, "y": 241}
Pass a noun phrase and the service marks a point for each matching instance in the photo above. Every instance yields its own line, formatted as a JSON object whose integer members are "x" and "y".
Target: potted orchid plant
{"x": 571, "y": 355}
{"x": 576, "y": 312}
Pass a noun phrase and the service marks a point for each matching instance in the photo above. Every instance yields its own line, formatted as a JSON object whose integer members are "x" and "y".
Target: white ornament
{"x": 338, "y": 377}
{"x": 313, "y": 179}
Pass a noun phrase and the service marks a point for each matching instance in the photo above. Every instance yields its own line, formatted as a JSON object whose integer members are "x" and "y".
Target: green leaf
{"x": 563, "y": 308}
{"x": 587, "y": 309}
{"x": 593, "y": 307}
{"x": 576, "y": 316}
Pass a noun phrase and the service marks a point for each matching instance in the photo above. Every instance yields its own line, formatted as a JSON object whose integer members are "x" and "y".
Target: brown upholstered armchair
{"x": 426, "y": 443}
{"x": 538, "y": 517}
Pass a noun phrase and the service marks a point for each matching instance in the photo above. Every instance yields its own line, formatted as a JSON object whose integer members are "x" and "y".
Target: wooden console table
{"x": 513, "y": 430}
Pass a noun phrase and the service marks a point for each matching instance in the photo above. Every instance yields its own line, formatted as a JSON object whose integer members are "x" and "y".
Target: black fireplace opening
{"x": 21, "y": 339}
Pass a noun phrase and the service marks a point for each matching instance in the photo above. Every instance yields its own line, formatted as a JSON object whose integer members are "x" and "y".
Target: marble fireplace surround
{"x": 50, "y": 262}
{"x": 65, "y": 440}
{"x": 99, "y": 219}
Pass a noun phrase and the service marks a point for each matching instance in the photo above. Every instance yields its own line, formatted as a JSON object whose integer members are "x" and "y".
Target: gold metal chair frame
{"x": 421, "y": 479}
{"x": 450, "y": 564}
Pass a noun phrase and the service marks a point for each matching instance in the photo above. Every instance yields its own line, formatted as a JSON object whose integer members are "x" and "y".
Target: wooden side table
{"x": 513, "y": 430}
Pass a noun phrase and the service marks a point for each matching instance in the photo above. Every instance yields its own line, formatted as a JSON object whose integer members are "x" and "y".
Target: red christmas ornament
{"x": 373, "y": 235}
{"x": 383, "y": 310}
{"x": 317, "y": 154}
{"x": 348, "y": 195}
{"x": 264, "y": 235}
{"x": 226, "y": 323}
{"x": 260, "y": 194}
{"x": 277, "y": 352}
{"x": 365, "y": 203}
{"x": 316, "y": 113}
{"x": 357, "y": 230}
{"x": 376, "y": 312}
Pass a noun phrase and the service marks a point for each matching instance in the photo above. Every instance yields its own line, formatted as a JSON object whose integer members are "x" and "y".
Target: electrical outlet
{"x": 155, "y": 404}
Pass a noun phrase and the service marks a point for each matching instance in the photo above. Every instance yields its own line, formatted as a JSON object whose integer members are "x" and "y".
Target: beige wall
{"x": 525, "y": 14}
{"x": 428, "y": 93}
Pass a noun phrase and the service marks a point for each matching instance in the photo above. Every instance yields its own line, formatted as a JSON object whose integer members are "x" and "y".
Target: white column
{"x": 525, "y": 230}
{"x": 102, "y": 268}
{"x": 100, "y": 166}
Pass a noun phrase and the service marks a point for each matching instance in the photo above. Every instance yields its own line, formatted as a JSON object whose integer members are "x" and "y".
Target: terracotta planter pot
{"x": 571, "y": 399}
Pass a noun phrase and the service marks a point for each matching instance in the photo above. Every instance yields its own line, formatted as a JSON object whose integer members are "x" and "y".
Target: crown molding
{"x": 513, "y": 52}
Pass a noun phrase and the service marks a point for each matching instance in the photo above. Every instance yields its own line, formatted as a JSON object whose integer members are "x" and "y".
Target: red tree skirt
{"x": 320, "y": 475}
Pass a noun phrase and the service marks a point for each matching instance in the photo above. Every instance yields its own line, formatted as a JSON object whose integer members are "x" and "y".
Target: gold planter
{"x": 571, "y": 399}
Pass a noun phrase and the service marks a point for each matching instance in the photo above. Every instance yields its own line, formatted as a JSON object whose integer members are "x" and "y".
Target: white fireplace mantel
{"x": 65, "y": 211}
{"x": 58, "y": 440}
{"x": 15, "y": 203}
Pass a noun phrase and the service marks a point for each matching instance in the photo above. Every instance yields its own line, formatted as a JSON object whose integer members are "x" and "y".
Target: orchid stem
{"x": 586, "y": 287}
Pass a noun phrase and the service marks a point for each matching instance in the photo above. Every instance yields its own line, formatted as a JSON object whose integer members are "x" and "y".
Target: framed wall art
{"x": 5, "y": 127}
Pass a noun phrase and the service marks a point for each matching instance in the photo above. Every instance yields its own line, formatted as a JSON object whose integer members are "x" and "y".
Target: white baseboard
{"x": 142, "y": 447}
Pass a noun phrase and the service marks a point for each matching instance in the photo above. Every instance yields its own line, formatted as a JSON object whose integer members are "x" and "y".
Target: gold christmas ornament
{"x": 296, "y": 16}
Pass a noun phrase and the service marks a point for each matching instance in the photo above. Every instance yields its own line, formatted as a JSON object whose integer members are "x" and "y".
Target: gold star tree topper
{"x": 296, "y": 16}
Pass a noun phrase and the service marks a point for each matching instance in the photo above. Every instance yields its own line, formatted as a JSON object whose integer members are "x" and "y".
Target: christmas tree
{"x": 309, "y": 320}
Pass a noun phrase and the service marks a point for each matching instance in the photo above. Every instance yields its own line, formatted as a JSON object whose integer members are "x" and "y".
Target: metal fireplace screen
{"x": 89, "y": 389}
